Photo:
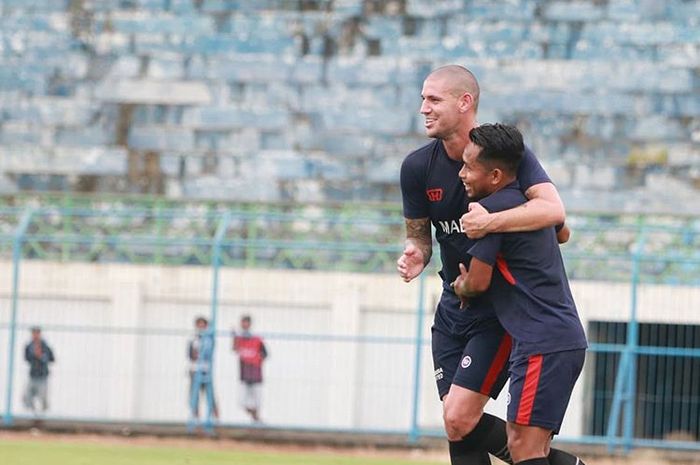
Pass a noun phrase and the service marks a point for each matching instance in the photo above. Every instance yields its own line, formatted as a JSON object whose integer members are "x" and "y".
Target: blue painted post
{"x": 216, "y": 267}
{"x": 17, "y": 241}
{"x": 208, "y": 341}
{"x": 415, "y": 429}
{"x": 625, "y": 380}
{"x": 632, "y": 345}
{"x": 618, "y": 396}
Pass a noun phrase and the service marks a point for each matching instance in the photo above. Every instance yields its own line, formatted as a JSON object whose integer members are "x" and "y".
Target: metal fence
{"x": 116, "y": 287}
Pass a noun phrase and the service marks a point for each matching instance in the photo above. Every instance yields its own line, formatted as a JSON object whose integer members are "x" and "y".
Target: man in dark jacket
{"x": 38, "y": 354}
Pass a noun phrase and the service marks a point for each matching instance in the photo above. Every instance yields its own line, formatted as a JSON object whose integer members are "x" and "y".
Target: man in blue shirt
{"x": 200, "y": 352}
{"x": 530, "y": 294}
{"x": 470, "y": 349}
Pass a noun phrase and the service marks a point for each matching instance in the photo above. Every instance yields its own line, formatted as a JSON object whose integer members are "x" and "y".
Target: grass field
{"x": 22, "y": 448}
{"x": 47, "y": 451}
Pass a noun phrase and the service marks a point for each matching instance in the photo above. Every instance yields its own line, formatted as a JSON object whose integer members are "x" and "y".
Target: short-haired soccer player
{"x": 470, "y": 349}
{"x": 530, "y": 294}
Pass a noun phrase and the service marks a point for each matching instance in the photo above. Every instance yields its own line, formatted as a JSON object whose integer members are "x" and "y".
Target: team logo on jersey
{"x": 438, "y": 374}
{"x": 434, "y": 195}
{"x": 451, "y": 226}
{"x": 508, "y": 399}
{"x": 466, "y": 361}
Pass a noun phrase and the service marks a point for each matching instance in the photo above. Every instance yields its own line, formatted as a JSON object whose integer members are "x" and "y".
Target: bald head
{"x": 459, "y": 80}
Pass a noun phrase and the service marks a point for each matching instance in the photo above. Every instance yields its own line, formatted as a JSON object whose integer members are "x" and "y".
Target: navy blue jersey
{"x": 530, "y": 291}
{"x": 431, "y": 188}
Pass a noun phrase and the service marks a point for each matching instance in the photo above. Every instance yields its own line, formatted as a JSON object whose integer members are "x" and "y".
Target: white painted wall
{"x": 120, "y": 336}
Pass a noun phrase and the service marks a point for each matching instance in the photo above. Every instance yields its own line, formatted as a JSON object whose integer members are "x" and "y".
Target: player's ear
{"x": 466, "y": 102}
{"x": 496, "y": 176}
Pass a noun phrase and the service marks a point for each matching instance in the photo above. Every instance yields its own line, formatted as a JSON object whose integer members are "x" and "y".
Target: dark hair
{"x": 246, "y": 318}
{"x": 501, "y": 146}
{"x": 201, "y": 319}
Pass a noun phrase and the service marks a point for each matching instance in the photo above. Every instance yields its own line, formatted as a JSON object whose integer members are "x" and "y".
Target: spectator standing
{"x": 252, "y": 353}
{"x": 201, "y": 352}
{"x": 39, "y": 355}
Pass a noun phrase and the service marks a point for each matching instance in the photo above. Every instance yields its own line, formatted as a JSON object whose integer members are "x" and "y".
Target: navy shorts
{"x": 540, "y": 387}
{"x": 469, "y": 352}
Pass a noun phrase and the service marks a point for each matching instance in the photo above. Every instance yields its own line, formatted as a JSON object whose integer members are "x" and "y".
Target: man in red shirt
{"x": 251, "y": 354}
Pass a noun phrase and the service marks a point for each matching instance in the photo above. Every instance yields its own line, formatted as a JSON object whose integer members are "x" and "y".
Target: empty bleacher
{"x": 319, "y": 99}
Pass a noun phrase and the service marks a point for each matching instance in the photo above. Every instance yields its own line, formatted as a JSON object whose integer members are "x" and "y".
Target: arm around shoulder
{"x": 547, "y": 195}
{"x": 543, "y": 209}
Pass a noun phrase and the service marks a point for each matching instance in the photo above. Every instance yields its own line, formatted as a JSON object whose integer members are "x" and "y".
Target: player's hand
{"x": 475, "y": 222}
{"x": 563, "y": 234}
{"x": 411, "y": 262}
{"x": 459, "y": 286}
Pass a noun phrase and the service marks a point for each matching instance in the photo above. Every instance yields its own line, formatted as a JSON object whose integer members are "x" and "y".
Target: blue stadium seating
{"x": 161, "y": 139}
{"x": 500, "y": 11}
{"x": 90, "y": 136}
{"x": 573, "y": 11}
{"x": 344, "y": 84}
{"x": 35, "y": 6}
{"x": 20, "y": 134}
{"x": 213, "y": 118}
{"x": 160, "y": 24}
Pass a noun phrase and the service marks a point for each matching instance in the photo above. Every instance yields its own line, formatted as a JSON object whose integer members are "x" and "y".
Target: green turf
{"x": 47, "y": 452}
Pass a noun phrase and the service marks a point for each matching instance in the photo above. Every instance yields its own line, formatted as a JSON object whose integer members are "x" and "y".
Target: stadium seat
{"x": 234, "y": 78}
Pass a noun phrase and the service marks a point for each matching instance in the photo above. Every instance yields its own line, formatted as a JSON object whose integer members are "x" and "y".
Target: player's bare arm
{"x": 473, "y": 282}
{"x": 543, "y": 209}
{"x": 418, "y": 249}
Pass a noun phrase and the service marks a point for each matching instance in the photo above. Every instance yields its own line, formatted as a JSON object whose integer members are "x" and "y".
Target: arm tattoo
{"x": 418, "y": 232}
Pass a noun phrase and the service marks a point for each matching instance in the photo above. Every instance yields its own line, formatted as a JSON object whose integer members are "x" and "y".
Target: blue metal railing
{"x": 626, "y": 375}
{"x": 414, "y": 433}
{"x": 620, "y": 432}
{"x": 16, "y": 258}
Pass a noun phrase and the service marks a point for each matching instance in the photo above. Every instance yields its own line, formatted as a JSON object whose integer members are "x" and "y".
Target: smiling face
{"x": 440, "y": 107}
{"x": 450, "y": 101}
{"x": 491, "y": 159}
{"x": 478, "y": 179}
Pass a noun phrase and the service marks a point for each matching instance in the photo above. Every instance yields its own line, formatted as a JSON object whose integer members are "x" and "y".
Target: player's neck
{"x": 504, "y": 182}
{"x": 457, "y": 141}
{"x": 454, "y": 146}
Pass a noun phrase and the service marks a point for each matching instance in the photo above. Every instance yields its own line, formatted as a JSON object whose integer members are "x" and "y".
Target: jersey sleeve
{"x": 531, "y": 172}
{"x": 486, "y": 249}
{"x": 415, "y": 201}
{"x": 508, "y": 197}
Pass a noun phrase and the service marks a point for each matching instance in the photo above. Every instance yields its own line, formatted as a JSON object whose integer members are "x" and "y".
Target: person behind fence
{"x": 251, "y": 352}
{"x": 39, "y": 355}
{"x": 200, "y": 352}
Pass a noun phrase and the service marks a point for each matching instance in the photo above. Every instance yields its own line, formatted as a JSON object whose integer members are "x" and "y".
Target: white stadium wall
{"x": 120, "y": 336}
